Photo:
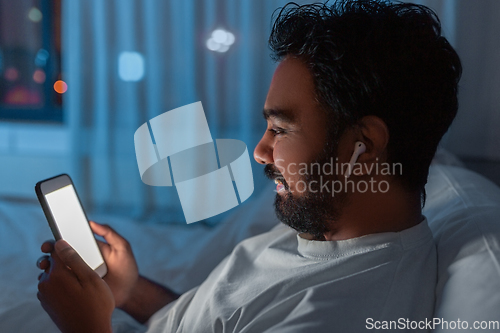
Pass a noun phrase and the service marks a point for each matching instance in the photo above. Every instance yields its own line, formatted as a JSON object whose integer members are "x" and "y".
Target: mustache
{"x": 272, "y": 172}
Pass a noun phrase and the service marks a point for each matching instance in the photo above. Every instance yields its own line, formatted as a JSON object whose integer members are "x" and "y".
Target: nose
{"x": 263, "y": 152}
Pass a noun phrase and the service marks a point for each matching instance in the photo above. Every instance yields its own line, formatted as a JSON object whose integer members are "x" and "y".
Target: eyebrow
{"x": 280, "y": 114}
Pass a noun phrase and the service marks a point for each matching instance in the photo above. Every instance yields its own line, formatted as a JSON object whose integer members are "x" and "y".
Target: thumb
{"x": 72, "y": 259}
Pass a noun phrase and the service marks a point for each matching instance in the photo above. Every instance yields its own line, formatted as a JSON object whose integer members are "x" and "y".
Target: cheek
{"x": 280, "y": 159}
{"x": 288, "y": 162}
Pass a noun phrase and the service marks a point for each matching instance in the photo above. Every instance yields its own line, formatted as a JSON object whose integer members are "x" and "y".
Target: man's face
{"x": 296, "y": 136}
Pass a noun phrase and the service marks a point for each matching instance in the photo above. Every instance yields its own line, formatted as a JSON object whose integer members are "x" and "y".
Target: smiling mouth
{"x": 279, "y": 185}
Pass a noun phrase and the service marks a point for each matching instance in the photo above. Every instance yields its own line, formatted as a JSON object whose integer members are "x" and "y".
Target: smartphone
{"x": 68, "y": 220}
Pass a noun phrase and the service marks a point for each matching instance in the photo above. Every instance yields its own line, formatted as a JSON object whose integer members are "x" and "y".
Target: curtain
{"x": 103, "y": 111}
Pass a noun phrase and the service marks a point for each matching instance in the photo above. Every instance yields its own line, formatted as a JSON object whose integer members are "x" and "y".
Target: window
{"x": 30, "y": 60}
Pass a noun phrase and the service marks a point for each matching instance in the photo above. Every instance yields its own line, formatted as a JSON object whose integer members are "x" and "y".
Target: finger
{"x": 109, "y": 234}
{"x": 43, "y": 262}
{"x": 43, "y": 276}
{"x": 48, "y": 246}
{"x": 69, "y": 257}
{"x": 41, "y": 298}
{"x": 104, "y": 247}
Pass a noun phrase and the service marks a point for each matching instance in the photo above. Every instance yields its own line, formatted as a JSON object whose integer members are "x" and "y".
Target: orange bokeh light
{"x": 60, "y": 86}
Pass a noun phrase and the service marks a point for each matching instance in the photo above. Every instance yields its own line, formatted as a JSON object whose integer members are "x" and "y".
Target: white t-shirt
{"x": 280, "y": 282}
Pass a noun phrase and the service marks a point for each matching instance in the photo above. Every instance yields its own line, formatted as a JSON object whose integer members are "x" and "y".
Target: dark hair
{"x": 377, "y": 58}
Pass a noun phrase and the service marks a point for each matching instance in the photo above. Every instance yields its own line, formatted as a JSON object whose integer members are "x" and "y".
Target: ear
{"x": 375, "y": 136}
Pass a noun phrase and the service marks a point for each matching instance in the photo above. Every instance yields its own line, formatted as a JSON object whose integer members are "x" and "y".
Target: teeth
{"x": 276, "y": 181}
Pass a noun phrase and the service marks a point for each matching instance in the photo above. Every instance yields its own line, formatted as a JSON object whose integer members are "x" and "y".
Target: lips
{"x": 279, "y": 185}
{"x": 273, "y": 173}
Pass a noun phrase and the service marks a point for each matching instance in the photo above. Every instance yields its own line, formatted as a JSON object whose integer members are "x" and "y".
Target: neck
{"x": 369, "y": 213}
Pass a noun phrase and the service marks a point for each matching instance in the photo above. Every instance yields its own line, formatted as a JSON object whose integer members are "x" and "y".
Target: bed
{"x": 462, "y": 208}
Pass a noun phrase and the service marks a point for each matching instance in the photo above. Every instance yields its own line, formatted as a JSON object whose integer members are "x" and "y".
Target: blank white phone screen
{"x": 73, "y": 225}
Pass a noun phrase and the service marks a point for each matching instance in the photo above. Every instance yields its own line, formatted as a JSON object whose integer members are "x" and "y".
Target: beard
{"x": 314, "y": 211}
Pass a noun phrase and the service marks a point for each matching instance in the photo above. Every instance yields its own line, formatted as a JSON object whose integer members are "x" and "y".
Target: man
{"x": 361, "y": 97}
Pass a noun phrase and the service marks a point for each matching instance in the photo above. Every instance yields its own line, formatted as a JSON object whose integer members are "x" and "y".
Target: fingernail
{"x": 39, "y": 261}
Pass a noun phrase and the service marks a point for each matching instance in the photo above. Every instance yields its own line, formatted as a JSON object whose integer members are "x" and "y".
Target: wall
{"x": 30, "y": 153}
{"x": 476, "y": 131}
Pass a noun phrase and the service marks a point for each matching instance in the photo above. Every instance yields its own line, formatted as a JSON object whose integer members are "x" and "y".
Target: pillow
{"x": 463, "y": 210}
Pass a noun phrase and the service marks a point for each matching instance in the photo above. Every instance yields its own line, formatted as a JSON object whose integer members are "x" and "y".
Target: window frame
{"x": 50, "y": 112}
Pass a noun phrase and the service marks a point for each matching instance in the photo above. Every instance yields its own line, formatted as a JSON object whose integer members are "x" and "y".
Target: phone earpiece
{"x": 359, "y": 148}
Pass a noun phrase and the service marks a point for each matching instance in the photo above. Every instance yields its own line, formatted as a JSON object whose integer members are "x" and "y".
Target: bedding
{"x": 179, "y": 256}
{"x": 462, "y": 208}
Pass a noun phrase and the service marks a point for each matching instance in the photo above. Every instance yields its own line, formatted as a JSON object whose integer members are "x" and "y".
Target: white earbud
{"x": 359, "y": 148}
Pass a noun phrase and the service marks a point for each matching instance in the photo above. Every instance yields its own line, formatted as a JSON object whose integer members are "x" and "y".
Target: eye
{"x": 277, "y": 131}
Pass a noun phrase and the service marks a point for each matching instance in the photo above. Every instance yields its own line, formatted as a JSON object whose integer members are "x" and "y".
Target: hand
{"x": 73, "y": 295}
{"x": 122, "y": 276}
{"x": 122, "y": 273}
{"x": 136, "y": 295}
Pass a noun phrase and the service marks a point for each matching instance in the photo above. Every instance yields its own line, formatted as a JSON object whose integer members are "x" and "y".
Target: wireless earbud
{"x": 359, "y": 148}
